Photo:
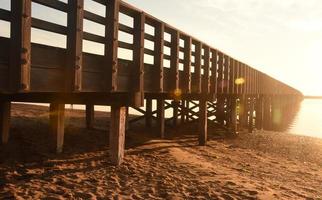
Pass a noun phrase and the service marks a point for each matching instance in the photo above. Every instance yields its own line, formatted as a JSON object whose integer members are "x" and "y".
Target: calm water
{"x": 308, "y": 121}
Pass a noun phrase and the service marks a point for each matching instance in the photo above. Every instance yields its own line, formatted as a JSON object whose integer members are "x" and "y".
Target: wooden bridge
{"x": 198, "y": 82}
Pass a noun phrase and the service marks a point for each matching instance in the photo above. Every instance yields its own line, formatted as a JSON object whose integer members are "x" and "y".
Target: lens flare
{"x": 239, "y": 81}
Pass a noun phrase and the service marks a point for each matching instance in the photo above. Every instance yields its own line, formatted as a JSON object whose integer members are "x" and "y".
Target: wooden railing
{"x": 180, "y": 61}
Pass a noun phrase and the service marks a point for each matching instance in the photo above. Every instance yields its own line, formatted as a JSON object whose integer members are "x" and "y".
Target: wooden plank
{"x": 174, "y": 60}
{"x": 117, "y": 134}
{"x": 137, "y": 75}
{"x": 20, "y": 62}
{"x": 94, "y": 17}
{"x": 48, "y": 26}
{"x": 175, "y": 106}
{"x": 4, "y": 15}
{"x": 58, "y": 5}
{"x": 203, "y": 122}
{"x": 158, "y": 54}
{"x": 235, "y": 77}
{"x": 5, "y": 108}
{"x": 206, "y": 68}
{"x": 259, "y": 113}
{"x": 251, "y": 115}
{"x": 73, "y": 79}
{"x": 187, "y": 65}
{"x": 57, "y": 114}
{"x": 161, "y": 117}
{"x": 111, "y": 45}
{"x": 90, "y": 116}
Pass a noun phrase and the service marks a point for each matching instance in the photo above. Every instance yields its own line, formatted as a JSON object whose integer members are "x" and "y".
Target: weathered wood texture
{"x": 57, "y": 123}
{"x": 117, "y": 134}
{"x": 90, "y": 115}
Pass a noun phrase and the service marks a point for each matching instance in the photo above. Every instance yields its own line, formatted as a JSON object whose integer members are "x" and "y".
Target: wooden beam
{"x": 111, "y": 45}
{"x": 74, "y": 46}
{"x": 259, "y": 112}
{"x": 57, "y": 113}
{"x": 117, "y": 134}
{"x": 183, "y": 111}
{"x": 5, "y": 108}
{"x": 203, "y": 120}
{"x": 90, "y": 115}
{"x": 161, "y": 117}
{"x": 20, "y": 55}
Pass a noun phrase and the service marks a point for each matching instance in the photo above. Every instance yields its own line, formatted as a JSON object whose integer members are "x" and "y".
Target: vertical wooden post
{"x": 158, "y": 54}
{"x": 203, "y": 120}
{"x": 220, "y": 111}
{"x": 267, "y": 113}
{"x": 20, "y": 55}
{"x": 259, "y": 113}
{"x": 148, "y": 113}
{"x": 160, "y": 116}
{"x": 251, "y": 115}
{"x": 117, "y": 134}
{"x": 174, "y": 61}
{"x": 74, "y": 45}
{"x": 213, "y": 80}
{"x": 90, "y": 114}
{"x": 183, "y": 111}
{"x": 175, "y": 105}
{"x": 57, "y": 114}
{"x": 198, "y": 48}
{"x": 111, "y": 44}
{"x": 233, "y": 115}
{"x": 5, "y": 108}
{"x": 138, "y": 60}
{"x": 206, "y": 68}
{"x": 187, "y": 65}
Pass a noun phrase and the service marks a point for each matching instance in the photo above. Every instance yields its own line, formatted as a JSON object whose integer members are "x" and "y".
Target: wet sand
{"x": 261, "y": 165}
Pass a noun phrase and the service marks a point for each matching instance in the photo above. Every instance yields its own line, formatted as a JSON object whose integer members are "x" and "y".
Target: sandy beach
{"x": 261, "y": 165}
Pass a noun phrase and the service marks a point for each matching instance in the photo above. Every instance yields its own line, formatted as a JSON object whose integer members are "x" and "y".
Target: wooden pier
{"x": 200, "y": 84}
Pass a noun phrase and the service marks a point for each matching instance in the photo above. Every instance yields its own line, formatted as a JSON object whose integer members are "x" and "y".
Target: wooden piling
{"x": 259, "y": 113}
{"x": 90, "y": 114}
{"x": 203, "y": 121}
{"x": 5, "y": 108}
{"x": 233, "y": 115}
{"x": 57, "y": 114}
{"x": 251, "y": 115}
{"x": 148, "y": 112}
{"x": 175, "y": 105}
{"x": 160, "y": 117}
{"x": 117, "y": 134}
{"x": 183, "y": 111}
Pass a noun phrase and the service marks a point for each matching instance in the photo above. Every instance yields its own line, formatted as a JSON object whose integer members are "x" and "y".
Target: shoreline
{"x": 261, "y": 165}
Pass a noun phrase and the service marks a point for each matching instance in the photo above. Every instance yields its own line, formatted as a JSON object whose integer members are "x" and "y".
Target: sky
{"x": 280, "y": 38}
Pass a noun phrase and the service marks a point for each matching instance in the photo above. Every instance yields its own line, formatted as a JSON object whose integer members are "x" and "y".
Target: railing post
{"x": 206, "y": 68}
{"x": 138, "y": 60}
{"x": 57, "y": 113}
{"x": 174, "y": 62}
{"x": 198, "y": 66}
{"x": 111, "y": 44}
{"x": 187, "y": 64}
{"x": 74, "y": 46}
{"x": 158, "y": 53}
{"x": 160, "y": 117}
{"x": 20, "y": 55}
{"x": 148, "y": 112}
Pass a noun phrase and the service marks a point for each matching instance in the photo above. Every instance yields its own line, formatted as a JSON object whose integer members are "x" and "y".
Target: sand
{"x": 261, "y": 165}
